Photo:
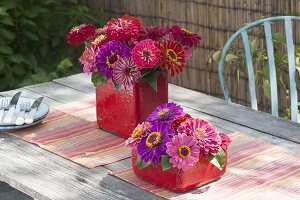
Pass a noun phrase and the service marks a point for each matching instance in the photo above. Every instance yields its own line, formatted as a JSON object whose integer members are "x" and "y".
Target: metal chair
{"x": 271, "y": 63}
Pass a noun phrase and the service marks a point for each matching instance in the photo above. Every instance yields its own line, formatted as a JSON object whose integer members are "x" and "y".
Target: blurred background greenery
{"x": 33, "y": 47}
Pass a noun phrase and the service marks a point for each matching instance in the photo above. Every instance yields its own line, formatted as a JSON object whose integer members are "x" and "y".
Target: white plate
{"x": 40, "y": 114}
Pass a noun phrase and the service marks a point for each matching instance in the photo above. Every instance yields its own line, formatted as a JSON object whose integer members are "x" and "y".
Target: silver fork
{"x": 24, "y": 107}
{"x": 4, "y": 106}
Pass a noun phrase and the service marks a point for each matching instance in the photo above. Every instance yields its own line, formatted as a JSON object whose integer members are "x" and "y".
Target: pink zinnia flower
{"x": 185, "y": 37}
{"x": 80, "y": 34}
{"x": 225, "y": 141}
{"x": 123, "y": 28}
{"x": 145, "y": 54}
{"x": 154, "y": 32}
{"x": 88, "y": 59}
{"x": 172, "y": 56}
{"x": 126, "y": 72}
{"x": 183, "y": 150}
{"x": 138, "y": 133}
{"x": 207, "y": 135}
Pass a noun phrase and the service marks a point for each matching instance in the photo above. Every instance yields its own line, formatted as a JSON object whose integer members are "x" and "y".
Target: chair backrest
{"x": 272, "y": 71}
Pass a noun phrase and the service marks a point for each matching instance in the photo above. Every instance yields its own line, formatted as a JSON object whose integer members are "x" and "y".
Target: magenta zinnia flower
{"x": 207, "y": 135}
{"x": 154, "y": 32}
{"x": 183, "y": 150}
{"x": 166, "y": 112}
{"x": 80, "y": 34}
{"x": 145, "y": 54}
{"x": 153, "y": 145}
{"x": 172, "y": 56}
{"x": 225, "y": 141}
{"x": 108, "y": 55}
{"x": 185, "y": 37}
{"x": 88, "y": 59}
{"x": 138, "y": 133}
{"x": 123, "y": 28}
{"x": 126, "y": 72}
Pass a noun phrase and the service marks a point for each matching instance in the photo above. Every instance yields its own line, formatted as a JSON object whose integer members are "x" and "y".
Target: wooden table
{"x": 31, "y": 169}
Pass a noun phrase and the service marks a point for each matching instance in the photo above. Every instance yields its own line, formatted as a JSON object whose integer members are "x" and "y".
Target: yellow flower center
{"x": 184, "y": 151}
{"x": 153, "y": 139}
{"x": 136, "y": 133}
{"x": 112, "y": 59}
{"x": 171, "y": 55}
{"x": 163, "y": 112}
{"x": 186, "y": 31}
{"x": 200, "y": 133}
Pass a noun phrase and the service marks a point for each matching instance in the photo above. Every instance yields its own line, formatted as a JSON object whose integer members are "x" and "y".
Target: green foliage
{"x": 219, "y": 159}
{"x": 165, "y": 162}
{"x": 235, "y": 63}
{"x": 32, "y": 40}
{"x": 98, "y": 79}
{"x": 141, "y": 164}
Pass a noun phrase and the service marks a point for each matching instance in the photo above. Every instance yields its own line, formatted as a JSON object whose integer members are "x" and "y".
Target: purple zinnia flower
{"x": 126, "y": 72}
{"x": 166, "y": 112}
{"x": 154, "y": 144}
{"x": 109, "y": 54}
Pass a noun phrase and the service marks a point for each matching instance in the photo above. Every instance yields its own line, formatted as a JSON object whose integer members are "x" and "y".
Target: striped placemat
{"x": 71, "y": 131}
{"x": 256, "y": 170}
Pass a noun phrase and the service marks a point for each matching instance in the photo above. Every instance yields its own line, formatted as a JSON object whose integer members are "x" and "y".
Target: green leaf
{"x": 1, "y": 64}
{"x": 7, "y": 21}
{"x": 3, "y": 12}
{"x": 18, "y": 58}
{"x": 219, "y": 160}
{"x": 278, "y": 37}
{"x": 217, "y": 55}
{"x": 31, "y": 36}
{"x": 253, "y": 45}
{"x": 151, "y": 79}
{"x": 27, "y": 21}
{"x": 98, "y": 79}
{"x": 116, "y": 85}
{"x": 165, "y": 162}
{"x": 141, "y": 164}
{"x": 266, "y": 88}
{"x": 5, "y": 49}
{"x": 230, "y": 57}
{"x": 7, "y": 34}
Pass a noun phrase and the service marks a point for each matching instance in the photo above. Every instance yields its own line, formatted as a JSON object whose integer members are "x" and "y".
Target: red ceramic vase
{"x": 120, "y": 111}
{"x": 177, "y": 180}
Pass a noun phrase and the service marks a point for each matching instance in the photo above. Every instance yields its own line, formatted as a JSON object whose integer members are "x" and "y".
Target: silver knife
{"x": 30, "y": 117}
{"x": 12, "y": 107}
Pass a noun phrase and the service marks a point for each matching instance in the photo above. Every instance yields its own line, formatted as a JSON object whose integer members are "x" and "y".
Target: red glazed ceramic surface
{"x": 120, "y": 111}
{"x": 201, "y": 173}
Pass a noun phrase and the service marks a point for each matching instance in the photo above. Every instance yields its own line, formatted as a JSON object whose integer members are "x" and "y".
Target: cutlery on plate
{"x": 4, "y": 106}
{"x": 30, "y": 117}
{"x": 24, "y": 107}
{"x": 12, "y": 107}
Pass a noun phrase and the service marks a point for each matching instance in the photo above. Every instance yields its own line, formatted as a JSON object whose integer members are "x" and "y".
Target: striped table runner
{"x": 71, "y": 131}
{"x": 256, "y": 170}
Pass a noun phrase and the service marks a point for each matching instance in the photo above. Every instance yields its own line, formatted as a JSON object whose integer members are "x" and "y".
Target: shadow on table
{"x": 9, "y": 193}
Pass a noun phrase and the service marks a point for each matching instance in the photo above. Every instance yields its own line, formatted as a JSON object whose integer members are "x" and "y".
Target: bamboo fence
{"x": 215, "y": 21}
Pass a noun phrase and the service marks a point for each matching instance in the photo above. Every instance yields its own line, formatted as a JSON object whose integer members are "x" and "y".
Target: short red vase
{"x": 120, "y": 111}
{"x": 177, "y": 180}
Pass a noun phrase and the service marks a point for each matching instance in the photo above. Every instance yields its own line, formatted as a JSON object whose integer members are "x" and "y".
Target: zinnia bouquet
{"x": 126, "y": 52}
{"x": 175, "y": 139}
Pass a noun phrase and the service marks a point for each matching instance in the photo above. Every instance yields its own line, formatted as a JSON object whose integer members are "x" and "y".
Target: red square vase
{"x": 177, "y": 180}
{"x": 120, "y": 111}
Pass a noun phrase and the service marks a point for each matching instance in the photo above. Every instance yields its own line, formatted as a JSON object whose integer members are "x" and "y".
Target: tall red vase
{"x": 120, "y": 111}
{"x": 178, "y": 180}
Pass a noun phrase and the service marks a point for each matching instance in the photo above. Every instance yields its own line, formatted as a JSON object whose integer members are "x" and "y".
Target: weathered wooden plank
{"x": 58, "y": 92}
{"x": 80, "y": 82}
{"x": 31, "y": 94}
{"x": 44, "y": 175}
{"x": 235, "y": 113}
